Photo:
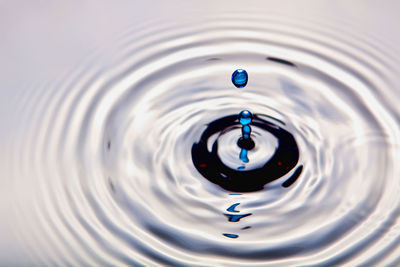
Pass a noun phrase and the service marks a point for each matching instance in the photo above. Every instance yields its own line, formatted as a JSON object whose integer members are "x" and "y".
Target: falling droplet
{"x": 239, "y": 78}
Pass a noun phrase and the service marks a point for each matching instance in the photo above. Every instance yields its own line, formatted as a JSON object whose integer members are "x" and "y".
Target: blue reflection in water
{"x": 231, "y": 235}
{"x": 243, "y": 155}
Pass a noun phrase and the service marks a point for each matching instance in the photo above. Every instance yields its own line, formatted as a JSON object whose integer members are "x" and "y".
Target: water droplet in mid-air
{"x": 239, "y": 78}
{"x": 245, "y": 117}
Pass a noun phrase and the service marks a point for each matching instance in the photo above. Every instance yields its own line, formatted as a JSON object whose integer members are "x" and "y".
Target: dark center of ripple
{"x": 207, "y": 159}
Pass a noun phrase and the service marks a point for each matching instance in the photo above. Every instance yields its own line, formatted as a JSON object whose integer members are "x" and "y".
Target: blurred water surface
{"x": 101, "y": 102}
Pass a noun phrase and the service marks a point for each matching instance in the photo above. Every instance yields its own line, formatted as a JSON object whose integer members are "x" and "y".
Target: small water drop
{"x": 239, "y": 78}
{"x": 245, "y": 117}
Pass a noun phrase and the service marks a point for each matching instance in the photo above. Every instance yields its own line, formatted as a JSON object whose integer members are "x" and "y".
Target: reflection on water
{"x": 113, "y": 151}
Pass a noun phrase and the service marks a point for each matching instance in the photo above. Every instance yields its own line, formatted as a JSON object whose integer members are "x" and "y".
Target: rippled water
{"x": 98, "y": 165}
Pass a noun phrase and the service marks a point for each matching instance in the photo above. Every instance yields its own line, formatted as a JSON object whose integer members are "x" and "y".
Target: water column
{"x": 245, "y": 118}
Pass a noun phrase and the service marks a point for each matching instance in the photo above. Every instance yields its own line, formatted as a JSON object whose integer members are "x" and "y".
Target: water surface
{"x": 102, "y": 104}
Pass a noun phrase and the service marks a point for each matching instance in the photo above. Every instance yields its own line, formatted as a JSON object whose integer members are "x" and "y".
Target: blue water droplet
{"x": 239, "y": 78}
{"x": 246, "y": 130}
{"x": 245, "y": 117}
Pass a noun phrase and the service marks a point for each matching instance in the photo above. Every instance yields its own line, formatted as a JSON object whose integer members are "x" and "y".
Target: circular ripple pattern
{"x": 239, "y": 178}
{"x": 110, "y": 161}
